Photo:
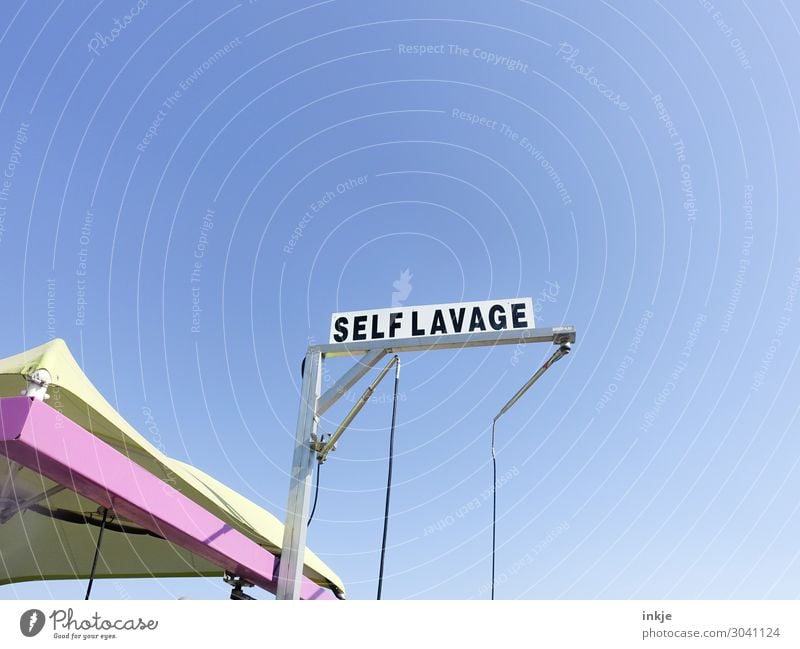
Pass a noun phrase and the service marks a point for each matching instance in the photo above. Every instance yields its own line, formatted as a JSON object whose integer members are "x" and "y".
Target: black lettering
{"x": 476, "y": 322}
{"x": 518, "y": 320}
{"x": 438, "y": 326}
{"x": 341, "y": 327}
{"x": 415, "y": 330}
{"x": 360, "y": 327}
{"x": 376, "y": 333}
{"x": 394, "y": 322}
{"x": 497, "y": 322}
{"x": 457, "y": 321}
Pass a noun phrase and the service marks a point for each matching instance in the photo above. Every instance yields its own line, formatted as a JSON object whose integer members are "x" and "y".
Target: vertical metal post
{"x": 290, "y": 569}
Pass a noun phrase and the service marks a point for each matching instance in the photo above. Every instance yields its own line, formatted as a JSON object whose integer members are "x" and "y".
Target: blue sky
{"x": 630, "y": 166}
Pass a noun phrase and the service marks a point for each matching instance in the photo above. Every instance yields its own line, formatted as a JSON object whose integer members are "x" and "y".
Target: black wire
{"x": 389, "y": 478}
{"x": 96, "y": 553}
{"x": 316, "y": 495}
{"x": 494, "y": 504}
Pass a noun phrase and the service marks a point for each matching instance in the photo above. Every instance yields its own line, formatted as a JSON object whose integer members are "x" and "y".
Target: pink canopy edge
{"x": 42, "y": 440}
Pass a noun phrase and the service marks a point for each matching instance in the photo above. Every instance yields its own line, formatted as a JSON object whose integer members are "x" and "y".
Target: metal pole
{"x": 562, "y": 351}
{"x": 290, "y": 569}
{"x": 97, "y": 552}
{"x": 558, "y": 354}
{"x": 494, "y": 503}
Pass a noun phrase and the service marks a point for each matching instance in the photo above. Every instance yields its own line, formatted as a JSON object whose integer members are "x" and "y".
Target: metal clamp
{"x": 38, "y": 382}
{"x": 238, "y": 584}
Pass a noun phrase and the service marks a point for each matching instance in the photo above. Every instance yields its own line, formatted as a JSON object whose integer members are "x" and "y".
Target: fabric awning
{"x": 46, "y": 540}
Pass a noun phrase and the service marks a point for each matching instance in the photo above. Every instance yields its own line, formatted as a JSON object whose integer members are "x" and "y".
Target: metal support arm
{"x": 351, "y": 377}
{"x": 312, "y": 406}
{"x": 557, "y": 355}
{"x": 331, "y": 443}
{"x": 555, "y": 335}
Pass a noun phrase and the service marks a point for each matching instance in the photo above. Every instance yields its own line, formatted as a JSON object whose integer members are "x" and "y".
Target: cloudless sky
{"x": 631, "y": 166}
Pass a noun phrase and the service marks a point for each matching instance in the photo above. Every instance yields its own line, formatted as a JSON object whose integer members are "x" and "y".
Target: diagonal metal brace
{"x": 330, "y": 444}
{"x": 349, "y": 379}
{"x": 562, "y": 351}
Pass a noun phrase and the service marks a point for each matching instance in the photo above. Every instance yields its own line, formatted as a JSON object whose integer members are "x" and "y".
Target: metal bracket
{"x": 563, "y": 335}
{"x": 38, "y": 382}
{"x": 318, "y": 443}
{"x": 237, "y": 584}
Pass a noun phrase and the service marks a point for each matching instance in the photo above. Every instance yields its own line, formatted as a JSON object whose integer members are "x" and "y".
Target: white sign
{"x": 432, "y": 320}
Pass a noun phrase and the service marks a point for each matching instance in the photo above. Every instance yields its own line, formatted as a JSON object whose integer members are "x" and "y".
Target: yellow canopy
{"x": 43, "y": 548}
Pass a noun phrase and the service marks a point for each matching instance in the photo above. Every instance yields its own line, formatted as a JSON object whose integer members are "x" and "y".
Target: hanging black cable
{"x": 316, "y": 495}
{"x": 389, "y": 476}
{"x": 96, "y": 553}
{"x": 494, "y": 504}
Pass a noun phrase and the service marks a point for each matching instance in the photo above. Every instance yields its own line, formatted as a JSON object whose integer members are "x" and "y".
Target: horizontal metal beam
{"x": 555, "y": 335}
{"x": 37, "y": 437}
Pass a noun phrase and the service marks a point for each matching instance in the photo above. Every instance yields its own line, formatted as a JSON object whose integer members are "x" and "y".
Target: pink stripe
{"x": 73, "y": 457}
